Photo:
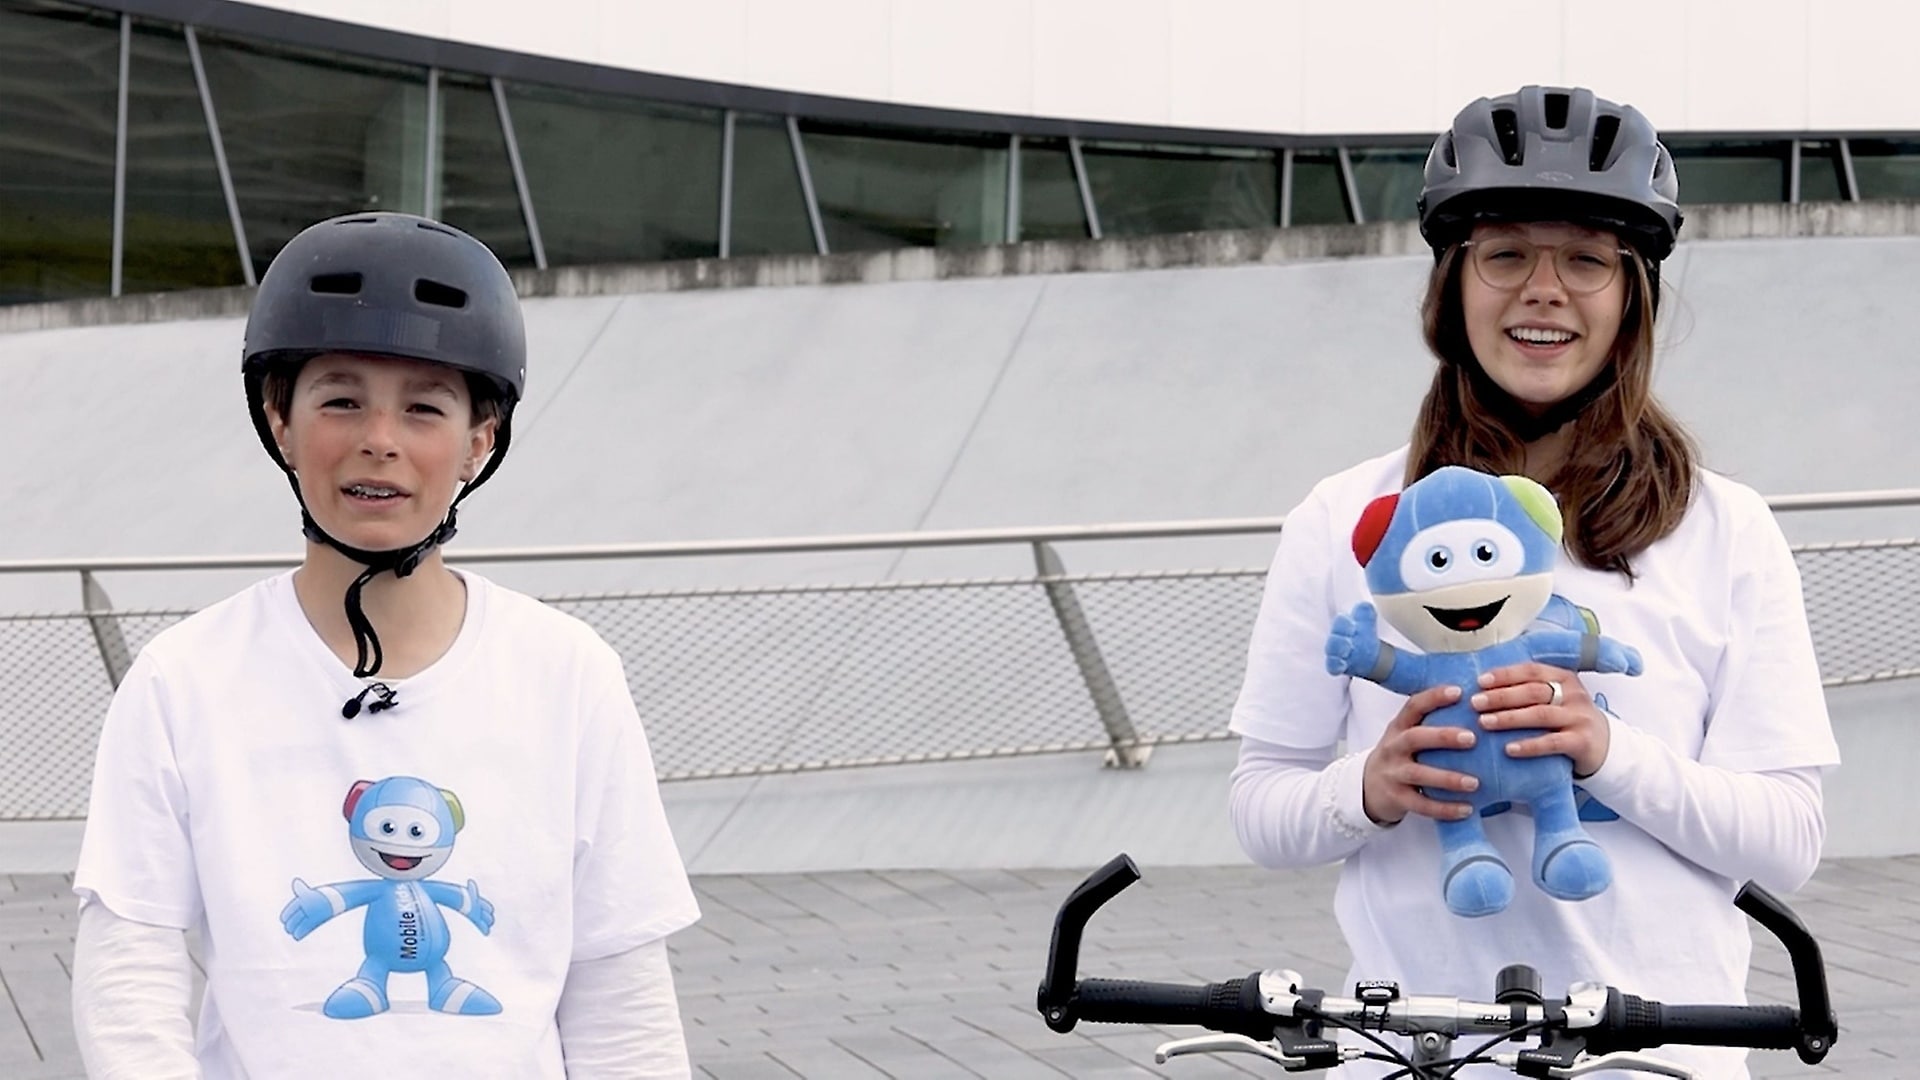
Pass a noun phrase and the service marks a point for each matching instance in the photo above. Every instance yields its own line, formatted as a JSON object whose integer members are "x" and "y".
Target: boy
{"x": 460, "y": 867}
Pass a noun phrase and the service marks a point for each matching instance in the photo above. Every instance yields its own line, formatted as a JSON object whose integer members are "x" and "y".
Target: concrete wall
{"x": 1295, "y": 66}
{"x": 1203, "y": 390}
{"x": 1068, "y": 811}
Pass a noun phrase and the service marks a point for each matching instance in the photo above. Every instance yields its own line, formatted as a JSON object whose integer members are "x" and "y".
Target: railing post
{"x": 114, "y": 653}
{"x": 1126, "y": 752}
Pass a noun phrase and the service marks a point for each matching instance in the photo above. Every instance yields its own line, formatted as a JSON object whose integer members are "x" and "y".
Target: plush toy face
{"x": 1460, "y": 560}
{"x": 402, "y": 828}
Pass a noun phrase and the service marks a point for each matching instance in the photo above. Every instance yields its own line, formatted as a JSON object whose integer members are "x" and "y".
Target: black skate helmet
{"x": 395, "y": 285}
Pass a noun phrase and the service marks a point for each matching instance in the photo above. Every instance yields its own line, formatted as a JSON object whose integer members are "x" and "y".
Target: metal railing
{"x": 745, "y": 681}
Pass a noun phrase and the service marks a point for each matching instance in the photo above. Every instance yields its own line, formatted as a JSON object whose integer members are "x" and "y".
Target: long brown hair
{"x": 1629, "y": 472}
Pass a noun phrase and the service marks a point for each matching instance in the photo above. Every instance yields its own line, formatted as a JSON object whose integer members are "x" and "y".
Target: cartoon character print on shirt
{"x": 401, "y": 828}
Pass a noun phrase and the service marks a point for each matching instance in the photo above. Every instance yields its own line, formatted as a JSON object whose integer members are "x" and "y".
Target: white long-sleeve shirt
{"x": 1300, "y": 808}
{"x": 1713, "y": 775}
{"x": 619, "y": 1018}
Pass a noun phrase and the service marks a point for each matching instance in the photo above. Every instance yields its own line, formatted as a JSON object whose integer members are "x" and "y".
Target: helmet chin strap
{"x": 401, "y": 561}
{"x": 1527, "y": 426}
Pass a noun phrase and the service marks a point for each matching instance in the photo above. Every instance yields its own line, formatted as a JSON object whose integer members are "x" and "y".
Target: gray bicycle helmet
{"x": 396, "y": 285}
{"x": 1552, "y": 153}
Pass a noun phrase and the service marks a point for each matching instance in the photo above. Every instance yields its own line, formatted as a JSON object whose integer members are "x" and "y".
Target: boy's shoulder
{"x": 536, "y": 627}
{"x": 235, "y": 623}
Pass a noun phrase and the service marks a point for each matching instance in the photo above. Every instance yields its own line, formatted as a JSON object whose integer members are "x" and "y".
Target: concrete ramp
{"x": 1121, "y": 394}
{"x": 1209, "y": 391}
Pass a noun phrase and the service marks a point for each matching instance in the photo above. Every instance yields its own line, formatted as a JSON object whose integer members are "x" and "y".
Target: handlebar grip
{"x": 1233, "y": 1006}
{"x": 1635, "y": 1023}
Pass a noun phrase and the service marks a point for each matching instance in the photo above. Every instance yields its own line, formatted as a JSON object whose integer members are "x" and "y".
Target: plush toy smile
{"x": 1467, "y": 618}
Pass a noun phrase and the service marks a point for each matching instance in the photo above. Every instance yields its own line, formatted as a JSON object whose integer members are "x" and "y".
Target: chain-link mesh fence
{"x": 55, "y": 683}
{"x": 1863, "y": 603}
{"x": 765, "y": 680}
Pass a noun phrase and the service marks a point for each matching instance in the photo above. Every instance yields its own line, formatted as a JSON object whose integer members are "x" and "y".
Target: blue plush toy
{"x": 1461, "y": 563}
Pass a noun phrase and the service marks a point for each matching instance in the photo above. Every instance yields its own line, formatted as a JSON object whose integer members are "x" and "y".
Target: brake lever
{"x": 1225, "y": 1044}
{"x": 1619, "y": 1059}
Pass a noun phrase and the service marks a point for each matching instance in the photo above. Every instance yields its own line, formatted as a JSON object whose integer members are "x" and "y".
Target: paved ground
{"x": 931, "y": 974}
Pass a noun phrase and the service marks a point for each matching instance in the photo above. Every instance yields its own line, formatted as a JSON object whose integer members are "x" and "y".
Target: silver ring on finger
{"x": 1559, "y": 693}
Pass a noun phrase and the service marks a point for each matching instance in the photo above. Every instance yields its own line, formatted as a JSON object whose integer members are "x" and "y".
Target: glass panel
{"x": 1319, "y": 198}
{"x": 1732, "y": 172}
{"x": 311, "y": 136}
{"x": 1050, "y": 207}
{"x": 59, "y": 106}
{"x": 1820, "y": 172}
{"x": 887, "y": 191}
{"x": 618, "y": 180}
{"x": 1886, "y": 168}
{"x": 1142, "y": 189}
{"x": 769, "y": 208}
{"x": 476, "y": 192}
{"x": 1388, "y": 182}
{"x": 178, "y": 233}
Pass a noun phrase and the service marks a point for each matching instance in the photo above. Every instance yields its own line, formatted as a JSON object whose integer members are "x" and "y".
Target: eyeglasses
{"x": 1506, "y": 262}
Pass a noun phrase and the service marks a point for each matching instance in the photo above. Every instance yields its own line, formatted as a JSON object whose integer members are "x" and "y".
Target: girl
{"x": 1549, "y": 212}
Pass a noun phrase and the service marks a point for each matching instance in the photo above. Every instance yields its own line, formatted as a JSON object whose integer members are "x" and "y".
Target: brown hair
{"x": 1629, "y": 473}
{"x": 276, "y": 392}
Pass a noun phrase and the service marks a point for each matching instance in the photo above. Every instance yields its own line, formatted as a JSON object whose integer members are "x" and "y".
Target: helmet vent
{"x": 1605, "y": 131}
{"x": 358, "y": 221}
{"x": 432, "y": 226}
{"x": 337, "y": 284}
{"x": 1506, "y": 128}
{"x": 439, "y": 295}
{"x": 1557, "y": 111}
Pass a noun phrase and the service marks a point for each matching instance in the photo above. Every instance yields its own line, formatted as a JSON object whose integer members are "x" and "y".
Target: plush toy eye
{"x": 415, "y": 831}
{"x": 1485, "y": 553}
{"x": 1439, "y": 558}
{"x": 386, "y": 828}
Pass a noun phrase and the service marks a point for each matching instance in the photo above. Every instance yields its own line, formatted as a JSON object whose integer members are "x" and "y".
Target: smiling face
{"x": 380, "y": 446}
{"x": 1537, "y": 339}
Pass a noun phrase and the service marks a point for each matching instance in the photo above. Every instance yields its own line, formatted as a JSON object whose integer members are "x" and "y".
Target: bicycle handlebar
{"x": 1234, "y": 1006}
{"x": 1593, "y": 1019}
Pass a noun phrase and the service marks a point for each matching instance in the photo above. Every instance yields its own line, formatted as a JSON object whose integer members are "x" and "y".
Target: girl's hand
{"x": 1391, "y": 782}
{"x": 1522, "y": 696}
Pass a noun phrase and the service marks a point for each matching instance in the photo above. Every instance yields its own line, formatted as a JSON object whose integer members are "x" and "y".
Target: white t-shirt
{"x": 1730, "y": 680}
{"x": 226, "y": 773}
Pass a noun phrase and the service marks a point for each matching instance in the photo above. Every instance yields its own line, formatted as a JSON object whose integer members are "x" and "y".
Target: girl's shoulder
{"x": 1727, "y": 497}
{"x": 1342, "y": 495}
{"x": 1378, "y": 475}
{"x": 1727, "y": 523}
{"x": 1726, "y": 508}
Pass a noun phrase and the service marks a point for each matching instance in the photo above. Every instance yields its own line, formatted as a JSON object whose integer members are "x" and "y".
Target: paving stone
{"x": 932, "y": 974}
